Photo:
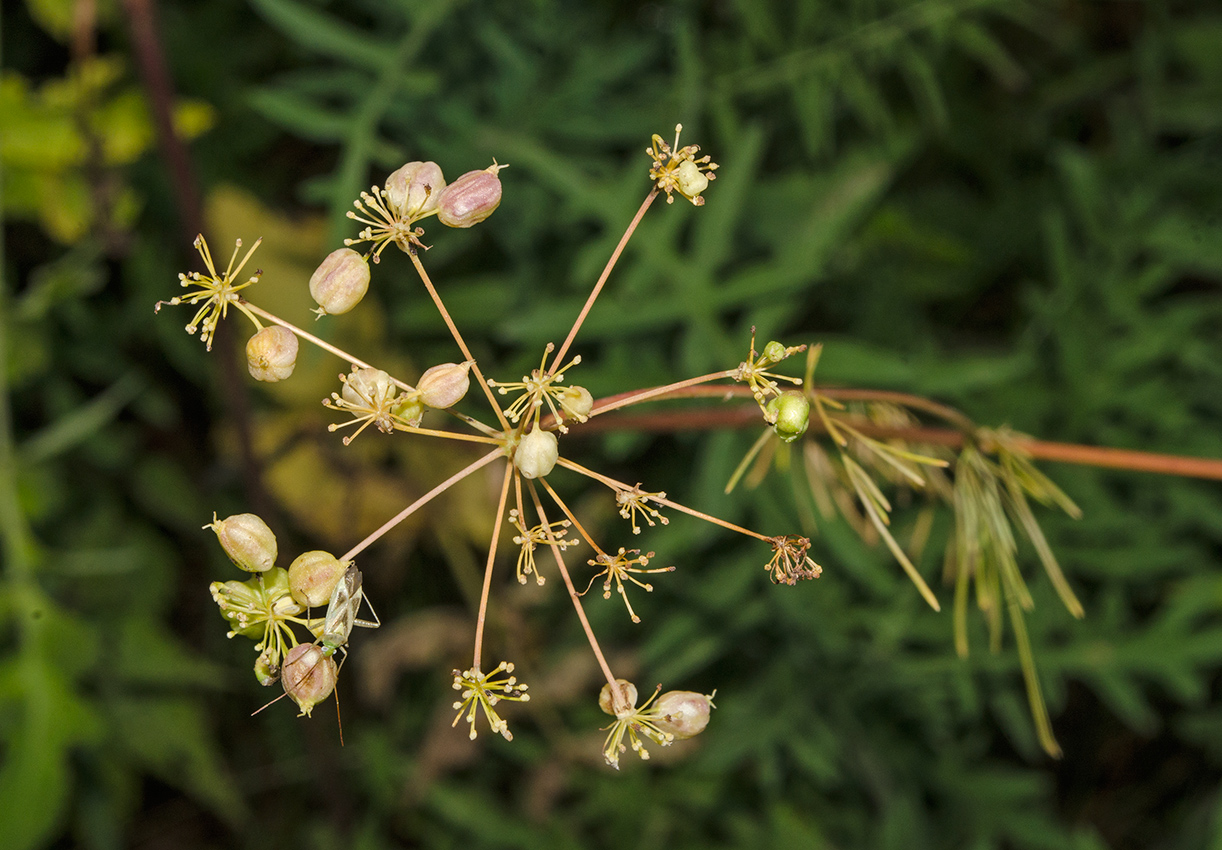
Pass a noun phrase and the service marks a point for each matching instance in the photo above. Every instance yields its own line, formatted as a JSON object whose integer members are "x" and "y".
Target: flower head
{"x": 621, "y": 566}
{"x": 216, "y": 291}
{"x": 634, "y": 504}
{"x": 790, "y": 563}
{"x": 260, "y": 608}
{"x": 485, "y": 691}
{"x": 636, "y": 723}
{"x": 531, "y": 539}
{"x": 370, "y": 396}
{"x": 678, "y": 169}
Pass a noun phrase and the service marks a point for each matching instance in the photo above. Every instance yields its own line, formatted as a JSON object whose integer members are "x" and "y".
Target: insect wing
{"x": 341, "y": 612}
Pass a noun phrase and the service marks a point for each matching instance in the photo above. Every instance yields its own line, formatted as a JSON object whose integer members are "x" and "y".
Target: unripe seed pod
{"x": 692, "y": 181}
{"x": 606, "y": 699}
{"x": 340, "y": 282}
{"x": 247, "y": 541}
{"x": 790, "y": 414}
{"x": 411, "y": 410}
{"x": 471, "y": 198}
{"x": 413, "y": 191}
{"x": 368, "y": 387}
{"x": 313, "y": 575}
{"x": 774, "y": 352}
{"x": 265, "y": 671}
{"x": 536, "y": 453}
{"x": 445, "y": 385}
{"x": 682, "y": 713}
{"x": 577, "y": 402}
{"x": 271, "y": 354}
{"x": 308, "y": 676}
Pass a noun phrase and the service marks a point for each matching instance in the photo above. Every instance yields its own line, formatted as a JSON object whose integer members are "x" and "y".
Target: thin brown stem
{"x": 574, "y": 596}
{"x": 571, "y": 516}
{"x": 421, "y": 502}
{"x": 483, "y": 596}
{"x": 602, "y": 279}
{"x": 661, "y": 500}
{"x": 458, "y": 338}
{"x": 625, "y": 399}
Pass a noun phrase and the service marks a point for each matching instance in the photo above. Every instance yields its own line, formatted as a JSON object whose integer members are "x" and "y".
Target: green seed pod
{"x": 412, "y": 192}
{"x": 249, "y": 605}
{"x": 790, "y": 414}
{"x": 266, "y": 671}
{"x": 536, "y": 454}
{"x": 313, "y": 575}
{"x": 606, "y": 700}
{"x": 247, "y": 540}
{"x": 308, "y": 676}
{"x": 683, "y": 714}
{"x": 774, "y": 352}
{"x": 577, "y": 402}
{"x": 410, "y": 410}
{"x": 471, "y": 198}
{"x": 445, "y": 385}
{"x": 340, "y": 282}
{"x": 271, "y": 354}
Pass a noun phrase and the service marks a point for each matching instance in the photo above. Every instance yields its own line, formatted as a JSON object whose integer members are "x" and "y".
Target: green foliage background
{"x": 1012, "y": 207}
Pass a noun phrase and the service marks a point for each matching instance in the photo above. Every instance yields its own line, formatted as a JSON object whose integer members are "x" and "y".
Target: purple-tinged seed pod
{"x": 471, "y": 198}
{"x": 340, "y": 282}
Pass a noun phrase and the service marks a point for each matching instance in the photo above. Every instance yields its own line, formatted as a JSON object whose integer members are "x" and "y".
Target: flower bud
{"x": 536, "y": 453}
{"x": 444, "y": 386}
{"x": 790, "y": 414}
{"x": 682, "y": 713}
{"x": 271, "y": 354}
{"x": 340, "y": 282}
{"x": 692, "y": 181}
{"x": 247, "y": 540}
{"x": 308, "y": 676}
{"x": 606, "y": 699}
{"x": 577, "y": 402}
{"x": 471, "y": 198}
{"x": 313, "y": 575}
{"x": 412, "y": 191}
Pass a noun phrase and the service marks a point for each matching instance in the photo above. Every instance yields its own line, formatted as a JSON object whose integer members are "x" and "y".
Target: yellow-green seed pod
{"x": 692, "y": 181}
{"x": 774, "y": 352}
{"x": 683, "y": 714}
{"x": 412, "y": 191}
{"x": 536, "y": 454}
{"x": 790, "y": 414}
{"x": 271, "y": 354}
{"x": 444, "y": 385}
{"x": 313, "y": 575}
{"x": 266, "y": 671}
{"x": 308, "y": 676}
{"x": 471, "y": 198}
{"x": 340, "y": 282}
{"x": 606, "y": 700}
{"x": 577, "y": 402}
{"x": 247, "y": 541}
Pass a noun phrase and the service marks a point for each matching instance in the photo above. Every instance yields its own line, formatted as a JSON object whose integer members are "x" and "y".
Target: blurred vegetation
{"x": 1011, "y": 207}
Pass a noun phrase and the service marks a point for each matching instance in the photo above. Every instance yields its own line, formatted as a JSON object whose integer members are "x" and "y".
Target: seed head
{"x": 412, "y": 192}
{"x": 271, "y": 354}
{"x": 444, "y": 385}
{"x": 537, "y": 453}
{"x": 340, "y": 282}
{"x": 247, "y": 541}
{"x": 313, "y": 576}
{"x": 471, "y": 198}
{"x": 790, "y": 414}
{"x": 309, "y": 676}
